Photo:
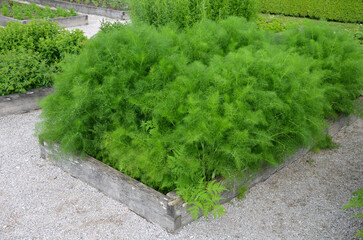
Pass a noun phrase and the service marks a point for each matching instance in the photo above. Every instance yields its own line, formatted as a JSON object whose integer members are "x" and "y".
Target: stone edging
{"x": 168, "y": 210}
{"x": 122, "y": 15}
{"x": 23, "y": 102}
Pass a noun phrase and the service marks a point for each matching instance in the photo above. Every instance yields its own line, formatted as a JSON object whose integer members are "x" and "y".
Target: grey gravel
{"x": 302, "y": 201}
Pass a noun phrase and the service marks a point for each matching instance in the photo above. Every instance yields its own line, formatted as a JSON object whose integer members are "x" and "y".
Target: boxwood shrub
{"x": 30, "y": 52}
{"x": 176, "y": 109}
{"x": 338, "y": 10}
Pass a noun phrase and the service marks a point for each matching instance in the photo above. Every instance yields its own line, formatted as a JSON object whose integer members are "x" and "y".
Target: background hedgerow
{"x": 176, "y": 109}
{"x": 185, "y": 13}
{"x": 30, "y": 52}
{"x": 338, "y": 10}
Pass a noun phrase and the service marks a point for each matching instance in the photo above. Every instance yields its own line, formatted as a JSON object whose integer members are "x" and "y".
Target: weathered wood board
{"x": 22, "y": 102}
{"x": 168, "y": 210}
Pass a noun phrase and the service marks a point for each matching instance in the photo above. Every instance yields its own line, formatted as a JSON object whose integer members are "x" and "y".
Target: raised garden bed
{"x": 24, "y": 14}
{"x": 112, "y": 4}
{"x": 167, "y": 211}
{"x": 62, "y": 21}
{"x": 24, "y": 102}
{"x": 111, "y": 13}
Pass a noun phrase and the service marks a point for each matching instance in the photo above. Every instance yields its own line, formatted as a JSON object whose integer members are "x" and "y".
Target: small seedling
{"x": 310, "y": 161}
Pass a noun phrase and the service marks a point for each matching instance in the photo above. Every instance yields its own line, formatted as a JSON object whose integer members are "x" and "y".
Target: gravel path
{"x": 302, "y": 201}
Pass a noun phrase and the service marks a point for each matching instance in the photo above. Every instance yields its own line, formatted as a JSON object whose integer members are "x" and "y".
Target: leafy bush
{"x": 178, "y": 108}
{"x": 274, "y": 24}
{"x": 22, "y": 69}
{"x": 32, "y": 11}
{"x": 46, "y": 37}
{"x": 5, "y": 9}
{"x": 338, "y": 10}
{"x": 359, "y": 36}
{"x": 110, "y": 26}
{"x": 43, "y": 42}
{"x": 187, "y": 12}
{"x": 356, "y": 202}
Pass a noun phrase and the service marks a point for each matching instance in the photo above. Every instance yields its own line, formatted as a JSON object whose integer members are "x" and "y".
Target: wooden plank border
{"x": 167, "y": 211}
{"x": 22, "y": 102}
{"x": 138, "y": 197}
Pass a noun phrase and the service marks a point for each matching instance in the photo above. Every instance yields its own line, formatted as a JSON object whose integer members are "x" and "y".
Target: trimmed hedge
{"x": 337, "y": 10}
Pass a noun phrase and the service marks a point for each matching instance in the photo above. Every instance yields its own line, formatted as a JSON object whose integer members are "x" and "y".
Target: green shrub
{"x": 187, "y": 12}
{"x": 274, "y": 24}
{"x": 178, "y": 108}
{"x": 21, "y": 70}
{"x": 338, "y": 10}
{"x": 359, "y": 36}
{"x": 356, "y": 202}
{"x": 46, "y": 37}
{"x": 110, "y": 26}
{"x": 44, "y": 42}
{"x": 5, "y": 9}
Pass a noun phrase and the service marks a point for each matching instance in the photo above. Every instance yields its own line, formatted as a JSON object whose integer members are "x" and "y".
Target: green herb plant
{"x": 185, "y": 13}
{"x": 356, "y": 202}
{"x": 177, "y": 109}
{"x": 5, "y": 9}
